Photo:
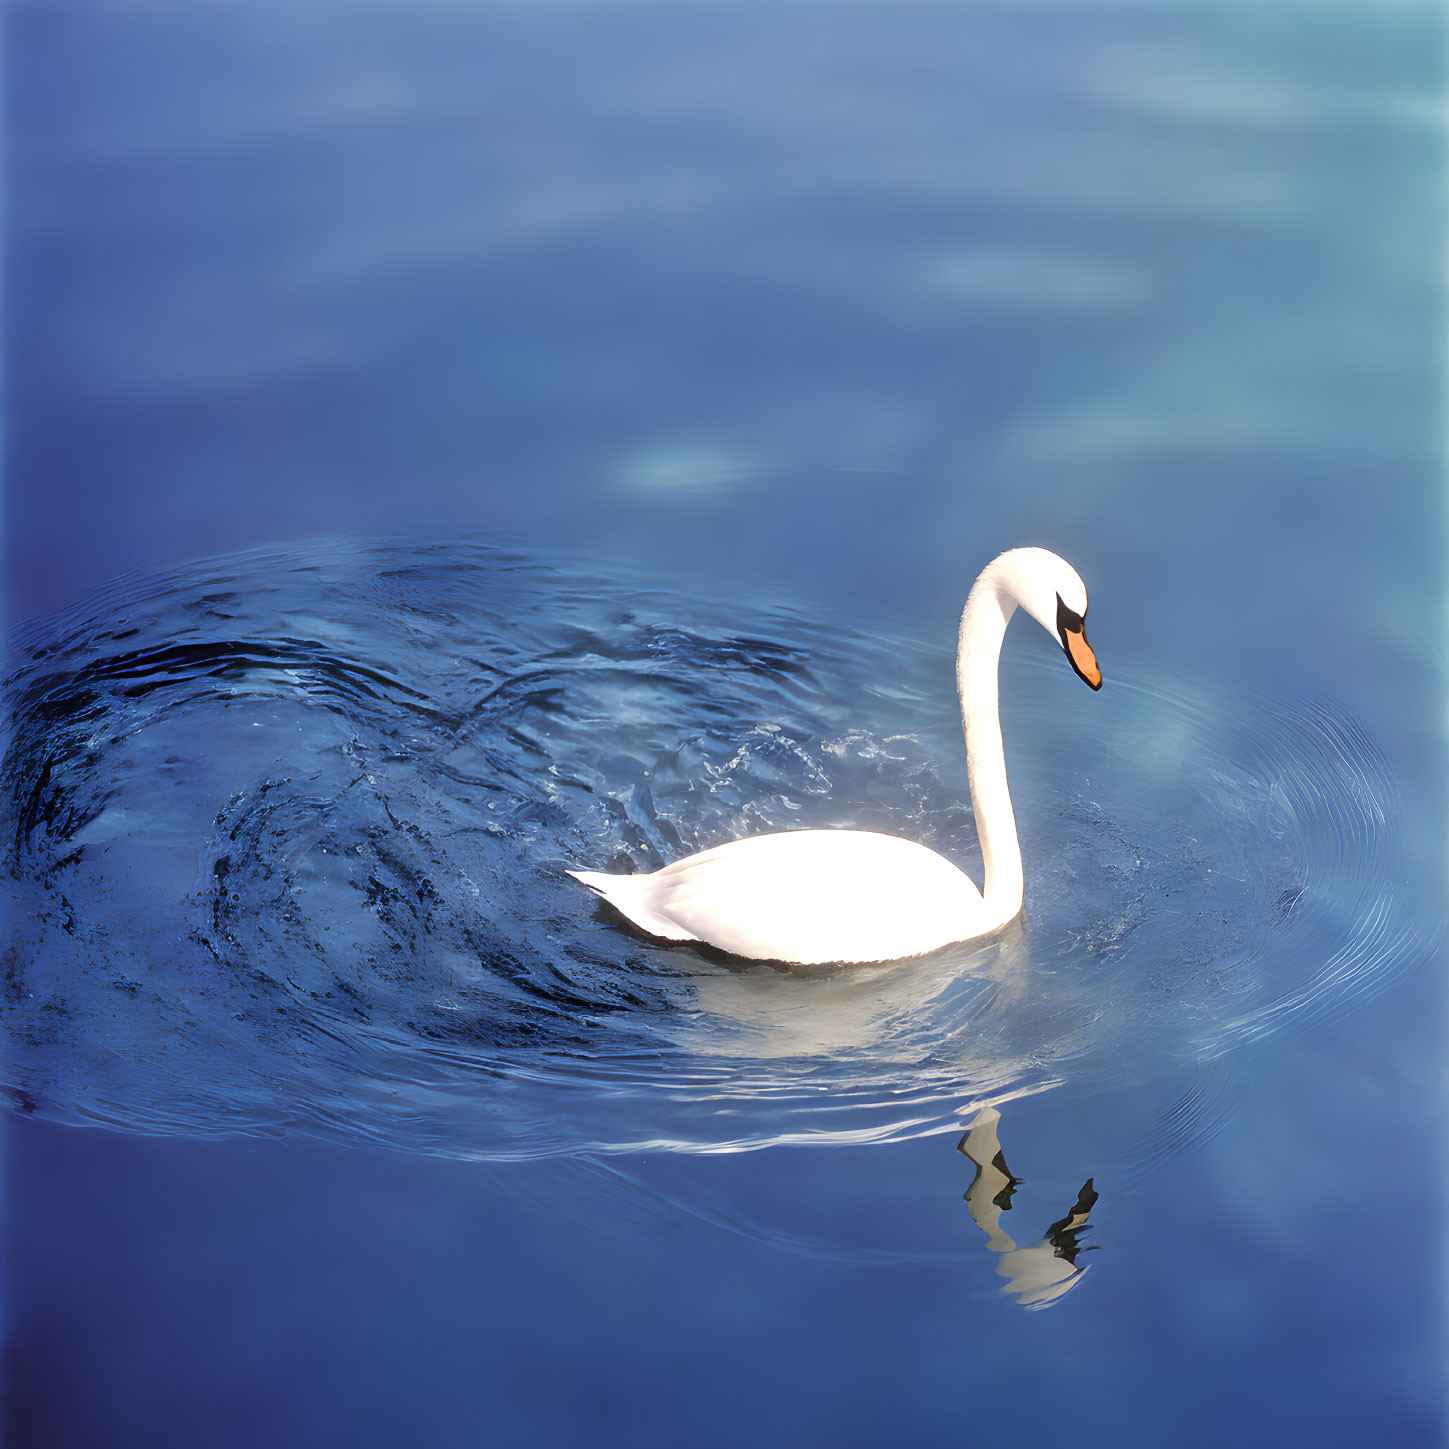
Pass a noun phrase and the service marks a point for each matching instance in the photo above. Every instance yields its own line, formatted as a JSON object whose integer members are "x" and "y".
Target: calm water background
{"x": 818, "y": 302}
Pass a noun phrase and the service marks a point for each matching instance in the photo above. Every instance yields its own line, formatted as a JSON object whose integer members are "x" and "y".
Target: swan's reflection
{"x": 1038, "y": 1273}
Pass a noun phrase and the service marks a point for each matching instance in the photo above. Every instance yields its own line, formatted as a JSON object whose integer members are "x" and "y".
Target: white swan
{"x": 814, "y": 897}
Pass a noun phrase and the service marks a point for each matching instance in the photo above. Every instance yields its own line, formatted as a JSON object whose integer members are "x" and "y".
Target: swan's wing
{"x": 807, "y": 896}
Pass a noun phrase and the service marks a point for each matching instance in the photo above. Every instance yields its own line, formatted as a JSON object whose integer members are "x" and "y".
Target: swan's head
{"x": 1052, "y": 592}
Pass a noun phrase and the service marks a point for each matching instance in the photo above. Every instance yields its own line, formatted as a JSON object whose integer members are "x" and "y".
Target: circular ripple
{"x": 288, "y": 835}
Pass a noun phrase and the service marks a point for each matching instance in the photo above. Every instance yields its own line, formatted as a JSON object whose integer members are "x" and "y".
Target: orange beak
{"x": 1083, "y": 660}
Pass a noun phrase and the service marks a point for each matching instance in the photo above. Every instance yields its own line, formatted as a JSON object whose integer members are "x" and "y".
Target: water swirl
{"x": 287, "y": 834}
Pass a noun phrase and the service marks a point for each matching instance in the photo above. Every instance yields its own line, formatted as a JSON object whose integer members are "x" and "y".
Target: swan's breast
{"x": 815, "y": 896}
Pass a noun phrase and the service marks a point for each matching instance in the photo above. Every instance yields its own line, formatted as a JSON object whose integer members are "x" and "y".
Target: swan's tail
{"x": 630, "y": 896}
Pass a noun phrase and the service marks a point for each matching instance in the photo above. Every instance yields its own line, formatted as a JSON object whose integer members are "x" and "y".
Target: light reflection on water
{"x": 292, "y": 829}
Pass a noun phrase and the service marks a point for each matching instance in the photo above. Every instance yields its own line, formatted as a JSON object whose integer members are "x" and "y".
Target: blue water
{"x": 615, "y": 406}
{"x": 292, "y": 831}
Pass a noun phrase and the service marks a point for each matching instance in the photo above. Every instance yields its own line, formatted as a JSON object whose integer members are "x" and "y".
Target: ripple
{"x": 288, "y": 834}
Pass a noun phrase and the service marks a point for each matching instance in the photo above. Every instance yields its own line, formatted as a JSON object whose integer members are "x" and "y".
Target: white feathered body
{"x": 810, "y": 897}
{"x": 814, "y": 897}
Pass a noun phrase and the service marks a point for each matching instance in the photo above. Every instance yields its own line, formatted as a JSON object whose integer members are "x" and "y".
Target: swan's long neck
{"x": 983, "y": 627}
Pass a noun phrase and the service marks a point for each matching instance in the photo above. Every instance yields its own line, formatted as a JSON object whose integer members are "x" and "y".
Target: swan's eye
{"x": 1068, "y": 620}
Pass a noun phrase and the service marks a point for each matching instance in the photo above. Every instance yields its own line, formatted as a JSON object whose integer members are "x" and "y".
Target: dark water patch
{"x": 288, "y": 834}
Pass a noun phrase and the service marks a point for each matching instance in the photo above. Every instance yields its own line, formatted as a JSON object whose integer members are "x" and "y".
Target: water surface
{"x": 292, "y": 832}
{"x": 823, "y": 303}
